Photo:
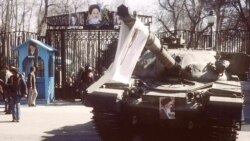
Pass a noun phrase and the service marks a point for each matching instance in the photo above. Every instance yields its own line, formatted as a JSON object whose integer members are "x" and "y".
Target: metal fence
{"x": 78, "y": 48}
{"x": 223, "y": 41}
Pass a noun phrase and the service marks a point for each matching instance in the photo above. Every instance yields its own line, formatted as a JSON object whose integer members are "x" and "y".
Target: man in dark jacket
{"x": 17, "y": 89}
{"x": 4, "y": 76}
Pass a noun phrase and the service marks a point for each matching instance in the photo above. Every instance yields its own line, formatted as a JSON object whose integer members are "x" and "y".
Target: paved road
{"x": 67, "y": 121}
{"x": 60, "y": 121}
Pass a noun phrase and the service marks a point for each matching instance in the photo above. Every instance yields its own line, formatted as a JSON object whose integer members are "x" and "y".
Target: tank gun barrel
{"x": 154, "y": 45}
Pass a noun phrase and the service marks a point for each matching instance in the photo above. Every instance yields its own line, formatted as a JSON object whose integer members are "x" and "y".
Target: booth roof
{"x": 39, "y": 43}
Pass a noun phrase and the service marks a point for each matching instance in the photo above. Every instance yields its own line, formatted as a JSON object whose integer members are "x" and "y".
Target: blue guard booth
{"x": 35, "y": 53}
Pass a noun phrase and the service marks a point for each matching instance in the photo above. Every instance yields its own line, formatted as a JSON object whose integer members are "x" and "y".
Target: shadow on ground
{"x": 65, "y": 103}
{"x": 246, "y": 125}
{"x": 80, "y": 132}
{"x": 55, "y": 103}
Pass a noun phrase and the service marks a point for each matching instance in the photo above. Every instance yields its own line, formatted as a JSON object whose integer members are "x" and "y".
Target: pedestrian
{"x": 2, "y": 89}
{"x": 87, "y": 78}
{"x": 70, "y": 87}
{"x": 17, "y": 89}
{"x": 32, "y": 91}
{"x": 4, "y": 76}
{"x": 78, "y": 83}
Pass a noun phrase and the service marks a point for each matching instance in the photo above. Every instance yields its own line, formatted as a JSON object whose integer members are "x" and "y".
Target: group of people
{"x": 14, "y": 87}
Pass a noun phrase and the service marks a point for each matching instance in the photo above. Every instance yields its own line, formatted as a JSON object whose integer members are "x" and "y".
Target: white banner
{"x": 130, "y": 45}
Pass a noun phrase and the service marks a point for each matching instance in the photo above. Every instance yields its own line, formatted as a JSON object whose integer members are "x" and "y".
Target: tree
{"x": 243, "y": 11}
{"x": 42, "y": 19}
{"x": 170, "y": 18}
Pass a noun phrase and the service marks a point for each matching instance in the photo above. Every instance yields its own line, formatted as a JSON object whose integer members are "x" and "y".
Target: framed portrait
{"x": 98, "y": 18}
{"x": 74, "y": 19}
{"x": 167, "y": 107}
{"x": 94, "y": 15}
{"x": 32, "y": 50}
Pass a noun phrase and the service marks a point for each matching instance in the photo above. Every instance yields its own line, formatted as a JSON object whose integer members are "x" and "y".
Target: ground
{"x": 60, "y": 121}
{"x": 64, "y": 121}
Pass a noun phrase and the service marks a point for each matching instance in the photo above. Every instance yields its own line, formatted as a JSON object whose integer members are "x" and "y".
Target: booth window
{"x": 38, "y": 62}
{"x": 25, "y": 66}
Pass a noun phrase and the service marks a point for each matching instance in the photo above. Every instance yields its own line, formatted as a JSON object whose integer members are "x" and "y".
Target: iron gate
{"x": 78, "y": 48}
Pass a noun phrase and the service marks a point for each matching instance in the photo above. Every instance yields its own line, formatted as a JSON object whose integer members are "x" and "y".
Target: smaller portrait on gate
{"x": 116, "y": 20}
{"x": 167, "y": 107}
{"x": 32, "y": 50}
{"x": 106, "y": 15}
{"x": 74, "y": 20}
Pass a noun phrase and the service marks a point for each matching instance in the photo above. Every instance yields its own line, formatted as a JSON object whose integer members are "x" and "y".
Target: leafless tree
{"x": 243, "y": 11}
{"x": 170, "y": 18}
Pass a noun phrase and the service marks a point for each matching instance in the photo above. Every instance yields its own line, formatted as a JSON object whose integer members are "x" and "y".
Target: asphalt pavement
{"x": 71, "y": 121}
{"x": 59, "y": 121}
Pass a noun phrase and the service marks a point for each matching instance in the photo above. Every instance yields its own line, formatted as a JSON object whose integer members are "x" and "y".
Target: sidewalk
{"x": 58, "y": 121}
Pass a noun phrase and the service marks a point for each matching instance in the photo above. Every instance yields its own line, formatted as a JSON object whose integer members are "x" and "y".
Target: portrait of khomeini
{"x": 33, "y": 51}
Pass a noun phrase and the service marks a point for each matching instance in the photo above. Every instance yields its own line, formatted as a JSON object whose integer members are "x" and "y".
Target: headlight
{"x": 134, "y": 92}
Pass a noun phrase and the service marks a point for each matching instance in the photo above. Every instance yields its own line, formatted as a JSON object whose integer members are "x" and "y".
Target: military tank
{"x": 173, "y": 94}
{"x": 186, "y": 100}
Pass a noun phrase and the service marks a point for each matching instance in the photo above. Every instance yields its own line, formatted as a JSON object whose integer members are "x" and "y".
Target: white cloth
{"x": 130, "y": 45}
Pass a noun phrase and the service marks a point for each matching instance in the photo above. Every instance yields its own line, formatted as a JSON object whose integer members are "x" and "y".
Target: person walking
{"x": 32, "y": 91}
{"x": 17, "y": 89}
{"x": 5, "y": 74}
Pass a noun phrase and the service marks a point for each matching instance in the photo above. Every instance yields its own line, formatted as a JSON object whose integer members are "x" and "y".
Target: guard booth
{"x": 35, "y": 53}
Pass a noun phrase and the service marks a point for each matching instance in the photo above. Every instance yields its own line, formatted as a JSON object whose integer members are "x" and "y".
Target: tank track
{"x": 222, "y": 131}
{"x": 112, "y": 127}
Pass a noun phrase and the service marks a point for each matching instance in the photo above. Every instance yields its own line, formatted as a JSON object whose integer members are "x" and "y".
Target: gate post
{"x": 63, "y": 67}
{"x": 248, "y": 42}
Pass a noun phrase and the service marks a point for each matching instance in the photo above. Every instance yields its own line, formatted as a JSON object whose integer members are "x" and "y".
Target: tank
{"x": 173, "y": 94}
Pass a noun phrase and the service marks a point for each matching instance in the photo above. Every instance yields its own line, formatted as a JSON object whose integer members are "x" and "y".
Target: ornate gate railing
{"x": 77, "y": 48}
